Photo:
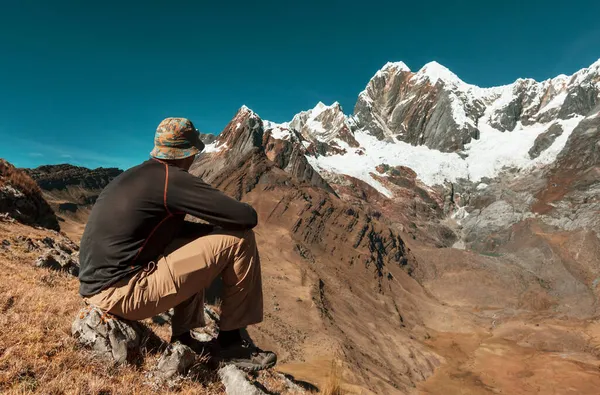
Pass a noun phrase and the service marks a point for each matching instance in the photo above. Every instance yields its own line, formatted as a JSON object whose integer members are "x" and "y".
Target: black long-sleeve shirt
{"x": 140, "y": 212}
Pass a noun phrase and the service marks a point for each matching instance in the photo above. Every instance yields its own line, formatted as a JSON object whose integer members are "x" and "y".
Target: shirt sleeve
{"x": 190, "y": 195}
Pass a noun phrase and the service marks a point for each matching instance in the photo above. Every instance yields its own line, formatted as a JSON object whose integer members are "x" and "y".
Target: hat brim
{"x": 171, "y": 153}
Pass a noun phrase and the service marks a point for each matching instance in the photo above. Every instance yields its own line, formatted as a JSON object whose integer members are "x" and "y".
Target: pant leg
{"x": 234, "y": 256}
{"x": 181, "y": 277}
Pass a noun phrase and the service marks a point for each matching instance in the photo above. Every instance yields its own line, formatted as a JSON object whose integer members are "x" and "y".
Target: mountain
{"x": 80, "y": 184}
{"x": 485, "y": 198}
{"x": 472, "y": 133}
{"x": 434, "y": 107}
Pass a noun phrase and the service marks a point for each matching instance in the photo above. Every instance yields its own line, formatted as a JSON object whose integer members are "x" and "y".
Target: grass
{"x": 334, "y": 380}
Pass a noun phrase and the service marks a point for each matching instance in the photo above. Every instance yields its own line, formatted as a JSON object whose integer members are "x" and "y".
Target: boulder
{"x": 175, "y": 360}
{"x": 107, "y": 335}
{"x": 236, "y": 382}
{"x": 58, "y": 259}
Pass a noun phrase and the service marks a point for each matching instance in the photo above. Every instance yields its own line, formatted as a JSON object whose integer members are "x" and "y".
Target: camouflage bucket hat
{"x": 176, "y": 138}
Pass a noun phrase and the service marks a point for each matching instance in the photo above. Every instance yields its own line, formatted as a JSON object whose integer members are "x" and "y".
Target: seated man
{"x": 129, "y": 267}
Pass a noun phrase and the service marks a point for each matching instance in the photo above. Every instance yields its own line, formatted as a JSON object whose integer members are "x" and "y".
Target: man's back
{"x": 138, "y": 215}
{"x": 123, "y": 218}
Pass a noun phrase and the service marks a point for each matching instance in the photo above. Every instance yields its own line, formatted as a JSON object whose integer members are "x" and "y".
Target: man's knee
{"x": 246, "y": 235}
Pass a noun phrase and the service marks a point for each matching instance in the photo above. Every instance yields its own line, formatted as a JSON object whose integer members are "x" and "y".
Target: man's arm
{"x": 190, "y": 195}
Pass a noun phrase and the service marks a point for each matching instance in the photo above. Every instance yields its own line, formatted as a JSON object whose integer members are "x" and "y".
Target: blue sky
{"x": 88, "y": 82}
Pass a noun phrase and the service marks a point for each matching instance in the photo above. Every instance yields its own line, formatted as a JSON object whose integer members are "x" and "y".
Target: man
{"x": 131, "y": 266}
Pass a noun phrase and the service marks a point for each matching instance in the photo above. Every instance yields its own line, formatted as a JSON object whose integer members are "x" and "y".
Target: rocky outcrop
{"x": 59, "y": 259}
{"x": 56, "y": 252}
{"x": 110, "y": 337}
{"x": 570, "y": 198}
{"x": 545, "y": 140}
{"x": 236, "y": 382}
{"x": 582, "y": 150}
{"x": 21, "y": 198}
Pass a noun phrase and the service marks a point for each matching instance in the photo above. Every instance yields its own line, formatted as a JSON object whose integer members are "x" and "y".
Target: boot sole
{"x": 250, "y": 367}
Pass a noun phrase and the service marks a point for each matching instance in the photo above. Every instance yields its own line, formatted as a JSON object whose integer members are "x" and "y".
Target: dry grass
{"x": 37, "y": 352}
{"x": 334, "y": 380}
{"x": 17, "y": 178}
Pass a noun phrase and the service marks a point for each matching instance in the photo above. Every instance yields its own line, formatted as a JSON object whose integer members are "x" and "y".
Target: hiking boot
{"x": 247, "y": 356}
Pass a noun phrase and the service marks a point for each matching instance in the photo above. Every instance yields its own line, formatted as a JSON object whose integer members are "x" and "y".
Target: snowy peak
{"x": 393, "y": 67}
{"x": 323, "y": 124}
{"x": 434, "y": 72}
{"x": 398, "y": 66}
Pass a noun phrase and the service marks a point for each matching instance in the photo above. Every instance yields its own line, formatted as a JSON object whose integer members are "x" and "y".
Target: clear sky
{"x": 88, "y": 82}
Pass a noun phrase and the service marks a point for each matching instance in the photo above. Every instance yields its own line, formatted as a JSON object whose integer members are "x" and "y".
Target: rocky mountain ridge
{"x": 83, "y": 184}
{"x": 471, "y": 133}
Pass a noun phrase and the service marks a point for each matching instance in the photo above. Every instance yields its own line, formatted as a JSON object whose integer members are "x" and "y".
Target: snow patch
{"x": 556, "y": 102}
{"x": 486, "y": 157}
{"x": 212, "y": 147}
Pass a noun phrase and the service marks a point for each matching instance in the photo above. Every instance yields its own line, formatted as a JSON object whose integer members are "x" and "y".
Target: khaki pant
{"x": 179, "y": 278}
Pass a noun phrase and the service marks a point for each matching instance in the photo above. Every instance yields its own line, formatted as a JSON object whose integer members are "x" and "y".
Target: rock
{"x": 21, "y": 199}
{"x": 486, "y": 229}
{"x": 208, "y": 138}
{"x": 59, "y": 260}
{"x": 236, "y": 382}
{"x": 4, "y": 217}
{"x": 291, "y": 386}
{"x": 175, "y": 360}
{"x": 107, "y": 335}
{"x": 545, "y": 140}
{"x": 5, "y": 244}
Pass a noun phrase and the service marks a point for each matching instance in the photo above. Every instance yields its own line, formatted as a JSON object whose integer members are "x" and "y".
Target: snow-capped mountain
{"x": 441, "y": 127}
{"x": 324, "y": 123}
{"x": 434, "y": 107}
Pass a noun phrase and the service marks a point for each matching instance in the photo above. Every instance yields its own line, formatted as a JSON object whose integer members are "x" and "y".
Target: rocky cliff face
{"x": 431, "y": 107}
{"x": 248, "y": 135}
{"x": 21, "y": 198}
